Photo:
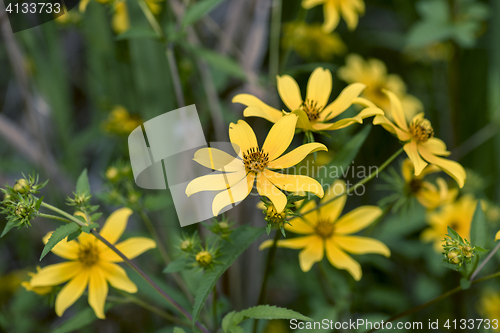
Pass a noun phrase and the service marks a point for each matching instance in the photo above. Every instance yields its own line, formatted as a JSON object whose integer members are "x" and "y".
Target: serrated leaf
{"x": 197, "y": 10}
{"x": 479, "y": 228}
{"x": 238, "y": 242}
{"x": 465, "y": 283}
{"x": 453, "y": 233}
{"x": 58, "y": 235}
{"x": 86, "y": 229}
{"x": 266, "y": 312}
{"x": 344, "y": 157}
{"x": 95, "y": 217}
{"x": 82, "y": 184}
{"x": 480, "y": 249}
{"x": 83, "y": 318}
{"x": 178, "y": 330}
{"x": 177, "y": 266}
{"x": 10, "y": 224}
{"x": 74, "y": 235}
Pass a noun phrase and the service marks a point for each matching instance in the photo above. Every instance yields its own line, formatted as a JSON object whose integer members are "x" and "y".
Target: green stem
{"x": 274, "y": 40}
{"x": 490, "y": 255}
{"x": 149, "y": 281}
{"x": 63, "y": 213}
{"x": 151, "y": 19}
{"x": 435, "y": 300}
{"x": 323, "y": 279}
{"x": 263, "y": 287}
{"x": 214, "y": 307}
{"x": 53, "y": 217}
{"x": 360, "y": 183}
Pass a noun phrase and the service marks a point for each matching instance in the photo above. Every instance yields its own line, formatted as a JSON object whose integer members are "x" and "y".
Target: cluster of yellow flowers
{"x": 326, "y": 232}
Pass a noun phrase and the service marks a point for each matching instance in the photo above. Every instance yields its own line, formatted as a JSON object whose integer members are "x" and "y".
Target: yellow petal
{"x": 82, "y": 6}
{"x": 349, "y": 14}
{"x": 307, "y": 4}
{"x": 412, "y": 152}
{"x": 313, "y": 253}
{"x": 357, "y": 219}
{"x": 214, "y": 182}
{"x": 115, "y": 225}
{"x": 98, "y": 291}
{"x": 365, "y": 113}
{"x": 362, "y": 245}
{"x": 233, "y": 195}
{"x": 407, "y": 170}
{"x": 291, "y": 243}
{"x": 390, "y": 127}
{"x": 117, "y": 277}
{"x": 295, "y": 156}
{"x": 312, "y": 217}
{"x": 257, "y": 108}
{"x": 319, "y": 86}
{"x": 289, "y": 92}
{"x": 497, "y": 236}
{"x": 64, "y": 249}
{"x": 242, "y": 135}
{"x": 332, "y": 16}
{"x": 436, "y": 147}
{"x": 131, "y": 248}
{"x": 452, "y": 168}
{"x": 295, "y": 183}
{"x": 217, "y": 159}
{"x": 363, "y": 102}
{"x": 280, "y": 136}
{"x": 56, "y": 274}
{"x": 397, "y": 110}
{"x": 267, "y": 189}
{"x": 299, "y": 226}
{"x": 343, "y": 101}
{"x": 71, "y": 291}
{"x": 332, "y": 210}
{"x": 342, "y": 260}
{"x": 303, "y": 122}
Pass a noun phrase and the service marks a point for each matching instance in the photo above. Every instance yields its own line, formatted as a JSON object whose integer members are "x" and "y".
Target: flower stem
{"x": 435, "y": 300}
{"x": 360, "y": 183}
{"x": 490, "y": 255}
{"x": 214, "y": 307}
{"x": 149, "y": 281}
{"x": 269, "y": 261}
{"x": 53, "y": 217}
{"x": 63, "y": 213}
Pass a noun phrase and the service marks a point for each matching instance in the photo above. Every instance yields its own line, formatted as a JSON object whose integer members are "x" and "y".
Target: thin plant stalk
{"x": 490, "y": 255}
{"x": 274, "y": 39}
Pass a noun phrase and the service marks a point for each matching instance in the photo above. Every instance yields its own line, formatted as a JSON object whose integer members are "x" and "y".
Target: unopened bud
{"x": 112, "y": 174}
{"x": 22, "y": 186}
{"x": 187, "y": 245}
{"x": 224, "y": 225}
{"x": 204, "y": 258}
{"x": 453, "y": 254}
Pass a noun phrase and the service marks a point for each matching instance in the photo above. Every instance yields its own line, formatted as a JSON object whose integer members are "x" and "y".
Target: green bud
{"x": 187, "y": 245}
{"x": 112, "y": 174}
{"x": 453, "y": 254}
{"x": 204, "y": 258}
{"x": 224, "y": 225}
{"x": 22, "y": 186}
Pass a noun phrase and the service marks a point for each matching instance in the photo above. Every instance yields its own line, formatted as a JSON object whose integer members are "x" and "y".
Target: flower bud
{"x": 112, "y": 174}
{"x": 187, "y": 245}
{"x": 22, "y": 186}
{"x": 204, "y": 258}
{"x": 453, "y": 254}
{"x": 224, "y": 225}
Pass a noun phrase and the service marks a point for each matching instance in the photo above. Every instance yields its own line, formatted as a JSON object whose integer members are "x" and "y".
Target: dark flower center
{"x": 311, "y": 108}
{"x": 255, "y": 160}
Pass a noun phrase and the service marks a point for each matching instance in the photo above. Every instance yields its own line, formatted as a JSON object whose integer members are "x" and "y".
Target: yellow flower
{"x": 429, "y": 196}
{"x": 489, "y": 307}
{"x": 373, "y": 74}
{"x": 457, "y": 215}
{"x": 121, "y": 122}
{"x": 326, "y": 232}
{"x": 332, "y": 9}
{"x": 120, "y": 21}
{"x": 39, "y": 290}
{"x": 254, "y": 163}
{"x": 313, "y": 112}
{"x": 420, "y": 144}
{"x": 92, "y": 264}
{"x": 310, "y": 41}
{"x": 497, "y": 236}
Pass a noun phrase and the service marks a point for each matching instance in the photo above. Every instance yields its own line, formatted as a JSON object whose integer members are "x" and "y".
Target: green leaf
{"x": 178, "y": 330}
{"x": 266, "y": 312}
{"x": 344, "y": 157}
{"x": 58, "y": 235}
{"x": 38, "y": 203}
{"x": 197, "y": 10}
{"x": 137, "y": 33}
{"x": 219, "y": 62}
{"x": 480, "y": 249}
{"x": 86, "y": 229}
{"x": 177, "y": 266}
{"x": 465, "y": 283}
{"x": 74, "y": 235}
{"x": 238, "y": 242}
{"x": 82, "y": 319}
{"x": 479, "y": 228}
{"x": 82, "y": 184}
{"x": 10, "y": 224}
{"x": 95, "y": 217}
{"x": 453, "y": 233}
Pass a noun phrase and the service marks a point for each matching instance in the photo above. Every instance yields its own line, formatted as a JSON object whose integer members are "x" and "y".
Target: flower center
{"x": 421, "y": 129}
{"x": 88, "y": 254}
{"x": 415, "y": 185}
{"x": 255, "y": 160}
{"x": 311, "y": 108}
{"x": 324, "y": 229}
